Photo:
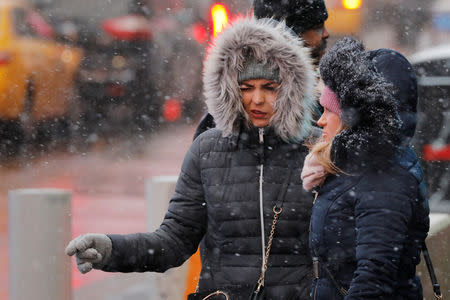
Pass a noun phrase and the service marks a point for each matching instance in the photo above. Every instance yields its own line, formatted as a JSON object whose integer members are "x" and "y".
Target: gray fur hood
{"x": 272, "y": 42}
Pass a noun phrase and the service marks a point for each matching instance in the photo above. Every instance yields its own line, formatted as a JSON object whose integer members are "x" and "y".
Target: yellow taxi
{"x": 36, "y": 72}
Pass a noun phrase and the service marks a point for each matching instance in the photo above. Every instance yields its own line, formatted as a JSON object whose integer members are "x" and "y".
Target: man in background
{"x": 305, "y": 17}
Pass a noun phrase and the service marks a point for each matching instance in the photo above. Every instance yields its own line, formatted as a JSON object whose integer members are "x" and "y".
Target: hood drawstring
{"x": 261, "y": 202}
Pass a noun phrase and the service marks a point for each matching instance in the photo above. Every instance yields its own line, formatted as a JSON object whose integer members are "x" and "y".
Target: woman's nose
{"x": 258, "y": 97}
{"x": 322, "y": 121}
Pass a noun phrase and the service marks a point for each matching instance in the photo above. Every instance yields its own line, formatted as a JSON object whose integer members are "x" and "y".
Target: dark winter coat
{"x": 393, "y": 66}
{"x": 217, "y": 198}
{"x": 367, "y": 224}
{"x": 366, "y": 229}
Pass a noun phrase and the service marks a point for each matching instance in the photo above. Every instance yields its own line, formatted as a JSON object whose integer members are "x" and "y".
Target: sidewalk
{"x": 108, "y": 196}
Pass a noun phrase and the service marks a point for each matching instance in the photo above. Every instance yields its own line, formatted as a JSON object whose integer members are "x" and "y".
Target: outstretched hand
{"x": 92, "y": 251}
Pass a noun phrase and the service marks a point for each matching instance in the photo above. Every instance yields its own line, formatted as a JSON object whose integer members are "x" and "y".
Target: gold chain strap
{"x": 217, "y": 293}
{"x": 277, "y": 212}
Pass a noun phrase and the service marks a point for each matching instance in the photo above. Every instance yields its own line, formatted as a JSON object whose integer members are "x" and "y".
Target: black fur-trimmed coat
{"x": 217, "y": 198}
{"x": 368, "y": 223}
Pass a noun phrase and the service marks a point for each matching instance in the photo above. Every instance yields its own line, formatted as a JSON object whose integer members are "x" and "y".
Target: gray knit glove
{"x": 92, "y": 250}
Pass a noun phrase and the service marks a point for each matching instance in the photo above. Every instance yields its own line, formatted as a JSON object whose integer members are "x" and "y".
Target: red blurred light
{"x": 116, "y": 90}
{"x": 130, "y": 27}
{"x": 172, "y": 110}
{"x": 40, "y": 25}
{"x": 5, "y": 58}
{"x": 199, "y": 32}
{"x": 219, "y": 17}
{"x": 433, "y": 153}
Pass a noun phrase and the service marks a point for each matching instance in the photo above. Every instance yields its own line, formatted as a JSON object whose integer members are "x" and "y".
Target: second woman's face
{"x": 259, "y": 96}
{"x": 330, "y": 123}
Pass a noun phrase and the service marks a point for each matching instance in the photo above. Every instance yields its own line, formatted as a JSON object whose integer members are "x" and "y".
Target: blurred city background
{"x": 99, "y": 96}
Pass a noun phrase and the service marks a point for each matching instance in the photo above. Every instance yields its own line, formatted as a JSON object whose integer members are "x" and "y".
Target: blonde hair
{"x": 322, "y": 150}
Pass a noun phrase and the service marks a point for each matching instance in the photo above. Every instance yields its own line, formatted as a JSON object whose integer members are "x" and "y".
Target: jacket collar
{"x": 335, "y": 184}
{"x": 249, "y": 136}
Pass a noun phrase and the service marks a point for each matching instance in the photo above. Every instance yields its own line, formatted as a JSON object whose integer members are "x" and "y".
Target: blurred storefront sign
{"x": 441, "y": 15}
{"x": 441, "y": 21}
{"x": 432, "y": 139}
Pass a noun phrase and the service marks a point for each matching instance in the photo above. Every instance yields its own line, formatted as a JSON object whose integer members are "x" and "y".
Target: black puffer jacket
{"x": 217, "y": 197}
{"x": 231, "y": 170}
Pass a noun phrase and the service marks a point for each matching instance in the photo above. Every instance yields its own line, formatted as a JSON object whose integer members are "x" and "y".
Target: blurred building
{"x": 99, "y": 9}
{"x": 437, "y": 30}
{"x": 94, "y": 9}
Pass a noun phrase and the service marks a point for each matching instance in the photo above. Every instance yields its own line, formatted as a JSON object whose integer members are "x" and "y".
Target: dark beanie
{"x": 396, "y": 69}
{"x": 300, "y": 15}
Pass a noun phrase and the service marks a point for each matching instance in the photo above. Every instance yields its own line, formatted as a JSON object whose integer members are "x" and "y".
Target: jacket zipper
{"x": 315, "y": 291}
{"x": 316, "y": 194}
{"x": 315, "y": 259}
{"x": 261, "y": 201}
{"x": 316, "y": 275}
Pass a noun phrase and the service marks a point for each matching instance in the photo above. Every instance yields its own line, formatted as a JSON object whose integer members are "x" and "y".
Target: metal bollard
{"x": 39, "y": 230}
{"x": 159, "y": 190}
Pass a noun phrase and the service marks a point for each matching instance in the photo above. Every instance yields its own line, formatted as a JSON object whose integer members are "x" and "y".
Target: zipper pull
{"x": 316, "y": 193}
{"x": 261, "y": 135}
{"x": 316, "y": 267}
{"x": 261, "y": 145}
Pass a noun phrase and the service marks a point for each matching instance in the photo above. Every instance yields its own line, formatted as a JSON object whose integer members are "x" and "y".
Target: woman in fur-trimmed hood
{"x": 259, "y": 86}
{"x": 270, "y": 44}
{"x": 368, "y": 217}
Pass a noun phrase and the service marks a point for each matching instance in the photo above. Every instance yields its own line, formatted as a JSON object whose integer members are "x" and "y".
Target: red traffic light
{"x": 219, "y": 18}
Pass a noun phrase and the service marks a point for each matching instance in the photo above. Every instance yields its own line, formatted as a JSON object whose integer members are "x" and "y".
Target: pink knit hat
{"x": 330, "y": 101}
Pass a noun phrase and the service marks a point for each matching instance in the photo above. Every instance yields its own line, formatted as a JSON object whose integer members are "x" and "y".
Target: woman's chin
{"x": 260, "y": 123}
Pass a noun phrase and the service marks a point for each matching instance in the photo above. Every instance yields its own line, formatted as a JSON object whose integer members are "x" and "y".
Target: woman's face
{"x": 259, "y": 96}
{"x": 330, "y": 123}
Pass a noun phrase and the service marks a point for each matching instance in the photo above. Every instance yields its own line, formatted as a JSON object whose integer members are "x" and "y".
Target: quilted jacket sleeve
{"x": 178, "y": 236}
{"x": 382, "y": 219}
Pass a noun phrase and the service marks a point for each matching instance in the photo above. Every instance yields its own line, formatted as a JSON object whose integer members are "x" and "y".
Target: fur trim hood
{"x": 367, "y": 103}
{"x": 270, "y": 42}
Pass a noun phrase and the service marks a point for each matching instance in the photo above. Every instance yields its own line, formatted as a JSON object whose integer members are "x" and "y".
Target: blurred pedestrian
{"x": 370, "y": 216}
{"x": 305, "y": 17}
{"x": 397, "y": 70}
{"x": 238, "y": 193}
